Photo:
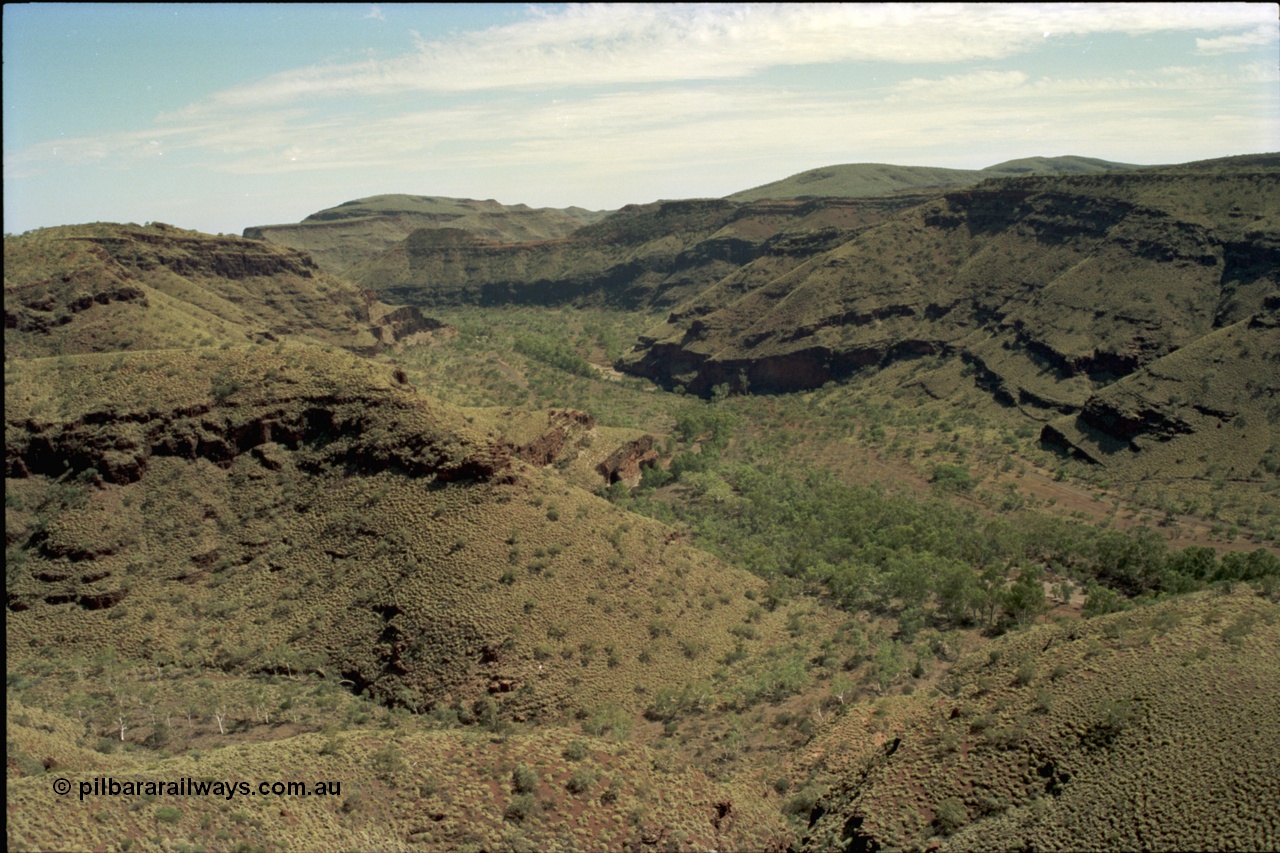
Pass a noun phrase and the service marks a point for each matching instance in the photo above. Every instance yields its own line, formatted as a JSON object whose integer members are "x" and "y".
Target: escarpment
{"x": 355, "y": 232}
{"x": 1047, "y": 289}
{"x": 639, "y": 256}
{"x": 193, "y": 254}
{"x": 224, "y": 405}
{"x": 1212, "y": 405}
{"x": 407, "y": 547}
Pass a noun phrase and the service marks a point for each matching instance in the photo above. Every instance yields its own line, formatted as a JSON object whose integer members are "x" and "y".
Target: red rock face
{"x": 564, "y": 426}
{"x": 624, "y": 464}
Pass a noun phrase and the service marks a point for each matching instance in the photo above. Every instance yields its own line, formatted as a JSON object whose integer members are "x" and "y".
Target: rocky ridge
{"x": 1048, "y": 290}
{"x": 107, "y": 287}
{"x": 643, "y": 255}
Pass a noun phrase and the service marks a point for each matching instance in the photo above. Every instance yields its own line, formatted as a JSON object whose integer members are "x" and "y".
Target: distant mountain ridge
{"x": 356, "y": 231}
{"x": 876, "y": 179}
{"x": 640, "y": 256}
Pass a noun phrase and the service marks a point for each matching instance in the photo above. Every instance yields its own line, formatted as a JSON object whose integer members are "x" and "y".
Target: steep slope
{"x": 252, "y": 534}
{"x": 288, "y": 481}
{"x": 395, "y": 790}
{"x": 1154, "y": 729}
{"x": 862, "y": 180}
{"x": 655, "y": 254}
{"x": 108, "y": 287}
{"x": 1208, "y": 409}
{"x": 1048, "y": 289}
{"x": 356, "y": 231}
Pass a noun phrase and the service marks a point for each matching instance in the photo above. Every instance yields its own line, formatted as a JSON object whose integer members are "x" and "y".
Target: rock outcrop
{"x": 1048, "y": 290}
{"x": 625, "y": 464}
{"x": 1208, "y": 409}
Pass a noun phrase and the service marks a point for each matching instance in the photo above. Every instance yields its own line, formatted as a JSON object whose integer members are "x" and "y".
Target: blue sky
{"x": 217, "y": 117}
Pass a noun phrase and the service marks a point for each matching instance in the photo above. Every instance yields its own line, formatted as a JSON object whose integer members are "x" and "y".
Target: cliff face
{"x": 188, "y": 253}
{"x": 655, "y": 254}
{"x": 1212, "y": 408}
{"x": 1049, "y": 289}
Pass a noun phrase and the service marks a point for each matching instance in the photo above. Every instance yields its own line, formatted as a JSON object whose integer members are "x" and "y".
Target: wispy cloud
{"x": 375, "y": 14}
{"x": 620, "y": 44}
{"x": 978, "y": 83}
{"x": 1267, "y": 34}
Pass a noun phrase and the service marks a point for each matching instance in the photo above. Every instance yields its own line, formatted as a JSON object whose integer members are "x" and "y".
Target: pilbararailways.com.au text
{"x": 107, "y": 786}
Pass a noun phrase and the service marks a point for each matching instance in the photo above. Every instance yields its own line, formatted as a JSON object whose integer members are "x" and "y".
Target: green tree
{"x": 951, "y": 815}
{"x": 957, "y": 589}
{"x": 1099, "y": 601}
{"x": 523, "y": 779}
{"x": 952, "y": 478}
{"x": 908, "y": 578}
{"x": 1131, "y": 562}
{"x": 1024, "y": 599}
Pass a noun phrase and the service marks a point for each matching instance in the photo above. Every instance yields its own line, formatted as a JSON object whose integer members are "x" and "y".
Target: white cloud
{"x": 974, "y": 84}
{"x": 376, "y": 14}
{"x": 649, "y": 127}
{"x": 1266, "y": 34}
{"x": 622, "y": 44}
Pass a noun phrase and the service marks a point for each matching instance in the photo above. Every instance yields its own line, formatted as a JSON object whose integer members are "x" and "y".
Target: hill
{"x": 638, "y": 257}
{"x": 1040, "y": 292}
{"x": 865, "y": 180}
{"x": 107, "y": 288}
{"x": 247, "y": 530}
{"x": 262, "y": 527}
{"x": 1202, "y": 411}
{"x": 1149, "y": 729}
{"x": 356, "y": 231}
{"x": 1065, "y": 165}
{"x": 429, "y": 250}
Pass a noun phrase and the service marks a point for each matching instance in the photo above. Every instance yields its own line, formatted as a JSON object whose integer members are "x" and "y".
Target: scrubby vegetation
{"x": 259, "y": 527}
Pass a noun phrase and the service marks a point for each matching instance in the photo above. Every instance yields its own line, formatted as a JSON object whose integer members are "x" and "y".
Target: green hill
{"x": 865, "y": 180}
{"x": 988, "y": 579}
{"x": 1065, "y": 165}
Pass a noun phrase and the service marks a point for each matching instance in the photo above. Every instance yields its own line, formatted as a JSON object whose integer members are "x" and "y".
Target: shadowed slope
{"x": 1048, "y": 289}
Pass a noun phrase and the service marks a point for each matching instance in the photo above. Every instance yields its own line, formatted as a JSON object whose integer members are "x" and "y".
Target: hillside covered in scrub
{"x": 641, "y": 256}
{"x": 1044, "y": 293}
{"x": 945, "y": 519}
